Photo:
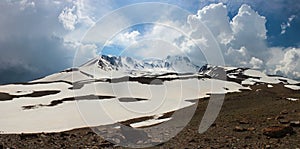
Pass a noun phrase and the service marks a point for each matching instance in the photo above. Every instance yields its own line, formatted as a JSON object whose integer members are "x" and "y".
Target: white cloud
{"x": 124, "y": 39}
{"x": 82, "y": 11}
{"x": 23, "y": 4}
{"x": 26, "y": 4}
{"x": 243, "y": 40}
{"x": 290, "y": 64}
{"x": 157, "y": 41}
{"x": 286, "y": 25}
{"x": 167, "y": 31}
{"x": 216, "y": 19}
{"x": 248, "y": 19}
{"x": 256, "y": 63}
{"x": 237, "y": 57}
{"x": 84, "y": 52}
{"x": 152, "y": 49}
{"x": 240, "y": 39}
{"x": 249, "y": 30}
{"x": 68, "y": 18}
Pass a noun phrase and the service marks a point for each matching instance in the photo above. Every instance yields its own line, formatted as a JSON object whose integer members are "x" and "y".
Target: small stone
{"x": 268, "y": 146}
{"x": 139, "y": 142}
{"x": 251, "y": 129}
{"x": 43, "y": 135}
{"x": 94, "y": 147}
{"x": 244, "y": 121}
{"x": 284, "y": 112}
{"x": 193, "y": 140}
{"x": 284, "y": 121}
{"x": 156, "y": 140}
{"x": 239, "y": 129}
{"x": 116, "y": 140}
{"x": 279, "y": 117}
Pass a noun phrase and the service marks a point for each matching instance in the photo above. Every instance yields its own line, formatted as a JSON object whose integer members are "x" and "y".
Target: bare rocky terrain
{"x": 260, "y": 118}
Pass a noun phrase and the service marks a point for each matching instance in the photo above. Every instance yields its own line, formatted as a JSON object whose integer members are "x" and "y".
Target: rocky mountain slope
{"x": 152, "y": 90}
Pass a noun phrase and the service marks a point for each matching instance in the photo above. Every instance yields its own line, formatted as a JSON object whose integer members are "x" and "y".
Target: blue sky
{"x": 43, "y": 37}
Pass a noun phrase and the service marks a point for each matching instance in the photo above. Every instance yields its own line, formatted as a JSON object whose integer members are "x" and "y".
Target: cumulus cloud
{"x": 124, "y": 39}
{"x": 243, "y": 39}
{"x": 256, "y": 63}
{"x": 286, "y": 25}
{"x": 152, "y": 49}
{"x": 26, "y": 4}
{"x": 82, "y": 14}
{"x": 68, "y": 18}
{"x": 82, "y": 11}
{"x": 290, "y": 64}
{"x": 240, "y": 39}
{"x": 84, "y": 53}
{"x": 157, "y": 41}
{"x": 216, "y": 19}
{"x": 249, "y": 27}
{"x": 22, "y": 4}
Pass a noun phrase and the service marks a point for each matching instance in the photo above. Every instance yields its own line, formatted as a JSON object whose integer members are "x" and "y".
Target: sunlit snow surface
{"x": 294, "y": 87}
{"x": 169, "y": 96}
{"x": 292, "y": 99}
{"x": 48, "y": 104}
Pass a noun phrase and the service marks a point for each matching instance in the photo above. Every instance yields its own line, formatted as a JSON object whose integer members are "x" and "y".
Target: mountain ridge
{"x": 170, "y": 63}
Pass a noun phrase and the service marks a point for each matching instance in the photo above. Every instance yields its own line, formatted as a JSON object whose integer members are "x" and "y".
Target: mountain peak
{"x": 175, "y": 63}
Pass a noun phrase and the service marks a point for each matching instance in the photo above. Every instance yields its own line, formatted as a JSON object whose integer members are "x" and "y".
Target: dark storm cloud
{"x": 30, "y": 46}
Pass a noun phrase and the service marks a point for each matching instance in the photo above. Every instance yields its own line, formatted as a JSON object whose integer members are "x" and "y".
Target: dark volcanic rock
{"x": 295, "y": 123}
{"x": 277, "y": 131}
{"x": 284, "y": 112}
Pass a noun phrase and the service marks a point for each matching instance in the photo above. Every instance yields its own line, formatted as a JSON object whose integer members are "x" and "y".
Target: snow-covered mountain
{"x": 97, "y": 92}
{"x": 128, "y": 64}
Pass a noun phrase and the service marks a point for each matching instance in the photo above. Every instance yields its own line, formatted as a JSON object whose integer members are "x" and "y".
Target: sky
{"x": 38, "y": 38}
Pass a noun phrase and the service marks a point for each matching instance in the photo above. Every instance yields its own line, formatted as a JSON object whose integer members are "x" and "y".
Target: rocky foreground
{"x": 260, "y": 118}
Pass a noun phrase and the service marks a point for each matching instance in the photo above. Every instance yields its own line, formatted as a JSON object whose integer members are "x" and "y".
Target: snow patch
{"x": 293, "y": 87}
{"x": 292, "y": 99}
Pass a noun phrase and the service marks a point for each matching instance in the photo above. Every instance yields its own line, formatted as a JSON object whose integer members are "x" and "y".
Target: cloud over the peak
{"x": 68, "y": 18}
{"x": 290, "y": 63}
{"x": 242, "y": 40}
